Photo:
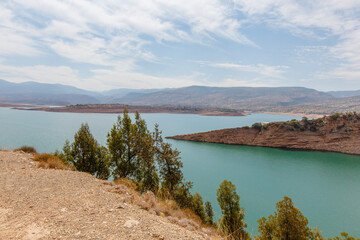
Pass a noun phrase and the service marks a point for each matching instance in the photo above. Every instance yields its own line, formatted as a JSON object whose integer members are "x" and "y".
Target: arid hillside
{"x": 40, "y": 203}
{"x": 335, "y": 133}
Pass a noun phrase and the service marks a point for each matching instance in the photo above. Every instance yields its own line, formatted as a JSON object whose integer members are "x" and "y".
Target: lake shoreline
{"x": 119, "y": 108}
{"x": 257, "y": 146}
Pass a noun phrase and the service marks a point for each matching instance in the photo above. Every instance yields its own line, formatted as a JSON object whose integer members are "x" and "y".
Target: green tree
{"x": 287, "y": 223}
{"x": 170, "y": 167}
{"x": 84, "y": 150}
{"x": 132, "y": 152}
{"x": 67, "y": 152}
{"x": 122, "y": 147}
{"x": 85, "y": 154}
{"x": 209, "y": 213}
{"x": 146, "y": 172}
{"x": 182, "y": 194}
{"x": 103, "y": 163}
{"x": 197, "y": 206}
{"x": 232, "y": 222}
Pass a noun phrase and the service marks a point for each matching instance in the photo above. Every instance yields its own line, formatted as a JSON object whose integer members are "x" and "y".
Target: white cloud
{"x": 261, "y": 69}
{"x": 99, "y": 32}
{"x": 14, "y": 38}
{"x": 332, "y": 15}
{"x": 123, "y": 79}
{"x": 115, "y": 35}
{"x": 101, "y": 80}
{"x": 348, "y": 72}
{"x": 316, "y": 19}
{"x": 39, "y": 73}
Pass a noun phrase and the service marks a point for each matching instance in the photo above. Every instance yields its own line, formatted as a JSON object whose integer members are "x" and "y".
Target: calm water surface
{"x": 325, "y": 186}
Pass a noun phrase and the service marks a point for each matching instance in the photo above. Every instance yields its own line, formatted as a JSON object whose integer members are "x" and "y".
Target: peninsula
{"x": 334, "y": 133}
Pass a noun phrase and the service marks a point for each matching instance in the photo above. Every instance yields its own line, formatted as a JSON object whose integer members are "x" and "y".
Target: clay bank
{"x": 334, "y": 133}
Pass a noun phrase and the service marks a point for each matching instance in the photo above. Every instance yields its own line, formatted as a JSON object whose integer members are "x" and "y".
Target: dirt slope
{"x": 56, "y": 204}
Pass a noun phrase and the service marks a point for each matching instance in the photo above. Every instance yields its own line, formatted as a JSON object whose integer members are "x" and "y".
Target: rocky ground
{"x": 58, "y": 204}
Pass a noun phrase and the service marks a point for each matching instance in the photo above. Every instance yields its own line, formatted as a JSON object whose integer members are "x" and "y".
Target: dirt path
{"x": 55, "y": 204}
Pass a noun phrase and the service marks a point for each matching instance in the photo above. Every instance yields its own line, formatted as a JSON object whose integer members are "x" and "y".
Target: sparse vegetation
{"x": 26, "y": 149}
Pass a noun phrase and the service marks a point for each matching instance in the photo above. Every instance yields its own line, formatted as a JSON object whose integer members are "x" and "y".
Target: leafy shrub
{"x": 335, "y": 116}
{"x": 26, "y": 149}
{"x": 313, "y": 128}
{"x": 257, "y": 126}
{"x": 295, "y": 123}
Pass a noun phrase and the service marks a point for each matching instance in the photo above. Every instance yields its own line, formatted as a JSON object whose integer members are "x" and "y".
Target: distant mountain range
{"x": 343, "y": 94}
{"x": 239, "y": 98}
{"x": 57, "y": 94}
{"x": 346, "y": 104}
{"x": 245, "y": 98}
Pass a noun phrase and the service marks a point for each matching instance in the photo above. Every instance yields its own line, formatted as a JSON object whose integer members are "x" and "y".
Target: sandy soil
{"x": 57, "y": 204}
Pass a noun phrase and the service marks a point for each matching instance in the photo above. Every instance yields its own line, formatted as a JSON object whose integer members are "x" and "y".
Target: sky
{"x": 107, "y": 44}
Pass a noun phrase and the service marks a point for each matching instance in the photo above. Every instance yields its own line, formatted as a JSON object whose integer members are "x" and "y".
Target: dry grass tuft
{"x": 26, "y": 149}
{"x": 150, "y": 198}
{"x": 50, "y": 161}
{"x": 127, "y": 182}
{"x": 164, "y": 208}
{"x": 4, "y": 150}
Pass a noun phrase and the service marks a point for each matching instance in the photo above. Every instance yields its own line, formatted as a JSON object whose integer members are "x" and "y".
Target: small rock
{"x": 191, "y": 228}
{"x": 131, "y": 223}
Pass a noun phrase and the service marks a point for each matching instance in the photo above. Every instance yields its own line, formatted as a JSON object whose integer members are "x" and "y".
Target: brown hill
{"x": 336, "y": 133}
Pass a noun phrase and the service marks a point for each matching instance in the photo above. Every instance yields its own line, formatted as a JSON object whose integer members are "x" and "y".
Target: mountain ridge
{"x": 253, "y": 99}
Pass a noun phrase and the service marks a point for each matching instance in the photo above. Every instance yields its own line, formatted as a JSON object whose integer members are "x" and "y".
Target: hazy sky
{"x": 103, "y": 44}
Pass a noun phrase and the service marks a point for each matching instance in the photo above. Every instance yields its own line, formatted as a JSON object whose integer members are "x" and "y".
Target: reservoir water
{"x": 325, "y": 186}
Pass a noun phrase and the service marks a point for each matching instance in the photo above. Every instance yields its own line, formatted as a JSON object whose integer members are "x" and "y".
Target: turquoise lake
{"x": 325, "y": 186}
